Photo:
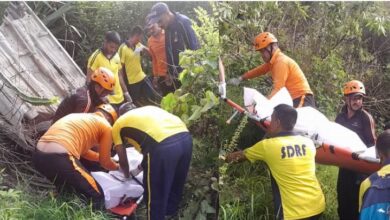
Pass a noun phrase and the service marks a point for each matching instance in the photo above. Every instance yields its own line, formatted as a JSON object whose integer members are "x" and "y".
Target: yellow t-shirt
{"x": 96, "y": 60}
{"x": 148, "y": 125}
{"x": 291, "y": 161}
{"x": 132, "y": 62}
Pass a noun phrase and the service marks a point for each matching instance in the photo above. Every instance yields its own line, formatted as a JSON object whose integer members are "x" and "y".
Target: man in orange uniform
{"x": 156, "y": 45}
{"x": 59, "y": 150}
{"x": 285, "y": 71}
{"x": 88, "y": 97}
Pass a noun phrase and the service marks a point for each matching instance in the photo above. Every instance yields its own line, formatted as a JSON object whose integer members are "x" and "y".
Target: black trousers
{"x": 305, "y": 100}
{"x": 143, "y": 93}
{"x": 348, "y": 185}
{"x": 67, "y": 173}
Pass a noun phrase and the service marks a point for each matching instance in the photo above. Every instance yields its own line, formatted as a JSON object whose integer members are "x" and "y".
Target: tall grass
{"x": 247, "y": 194}
{"x": 20, "y": 204}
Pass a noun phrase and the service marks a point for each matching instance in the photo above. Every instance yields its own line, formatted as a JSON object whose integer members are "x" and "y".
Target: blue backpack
{"x": 376, "y": 199}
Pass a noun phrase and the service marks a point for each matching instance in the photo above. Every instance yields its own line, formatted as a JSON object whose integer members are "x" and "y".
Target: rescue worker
{"x": 285, "y": 71}
{"x": 374, "y": 198}
{"x": 59, "y": 150}
{"x": 290, "y": 158}
{"x": 156, "y": 45}
{"x": 179, "y": 36}
{"x": 87, "y": 98}
{"x": 355, "y": 118}
{"x": 136, "y": 82}
{"x": 107, "y": 57}
{"x": 166, "y": 145}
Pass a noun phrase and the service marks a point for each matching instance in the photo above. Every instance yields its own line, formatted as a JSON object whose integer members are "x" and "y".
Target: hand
{"x": 235, "y": 157}
{"x": 127, "y": 97}
{"x": 136, "y": 171}
{"x": 222, "y": 89}
{"x": 139, "y": 49}
{"x": 168, "y": 80}
{"x": 155, "y": 82}
{"x": 235, "y": 81}
{"x": 104, "y": 100}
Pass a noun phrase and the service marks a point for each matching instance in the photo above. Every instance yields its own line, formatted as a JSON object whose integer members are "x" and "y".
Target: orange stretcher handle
{"x": 126, "y": 209}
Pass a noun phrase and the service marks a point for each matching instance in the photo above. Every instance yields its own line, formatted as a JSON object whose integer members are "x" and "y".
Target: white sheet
{"x": 310, "y": 121}
{"x": 116, "y": 190}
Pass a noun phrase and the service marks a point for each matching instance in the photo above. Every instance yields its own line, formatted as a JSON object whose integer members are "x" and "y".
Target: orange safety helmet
{"x": 263, "y": 40}
{"x": 104, "y": 77}
{"x": 354, "y": 86}
{"x": 109, "y": 110}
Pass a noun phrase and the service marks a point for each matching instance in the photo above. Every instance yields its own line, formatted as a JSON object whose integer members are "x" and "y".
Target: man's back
{"x": 290, "y": 158}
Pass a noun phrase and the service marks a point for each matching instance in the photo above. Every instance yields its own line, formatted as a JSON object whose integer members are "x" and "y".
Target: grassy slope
{"x": 16, "y": 204}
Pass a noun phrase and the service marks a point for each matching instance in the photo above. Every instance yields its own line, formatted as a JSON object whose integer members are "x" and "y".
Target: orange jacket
{"x": 79, "y": 132}
{"x": 156, "y": 46}
{"x": 285, "y": 73}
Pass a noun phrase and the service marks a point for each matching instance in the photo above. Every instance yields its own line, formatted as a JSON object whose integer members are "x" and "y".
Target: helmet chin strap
{"x": 270, "y": 50}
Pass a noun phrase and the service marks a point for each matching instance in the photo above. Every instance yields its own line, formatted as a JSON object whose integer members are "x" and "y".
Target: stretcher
{"x": 336, "y": 145}
{"x": 122, "y": 196}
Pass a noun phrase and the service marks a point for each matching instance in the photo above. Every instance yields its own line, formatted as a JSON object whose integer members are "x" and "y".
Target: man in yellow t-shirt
{"x": 166, "y": 144}
{"x": 290, "y": 158}
{"x": 136, "y": 82}
{"x": 108, "y": 57}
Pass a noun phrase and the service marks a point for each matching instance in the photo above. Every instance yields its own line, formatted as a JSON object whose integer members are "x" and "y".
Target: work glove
{"x": 235, "y": 81}
{"x": 139, "y": 49}
{"x": 222, "y": 89}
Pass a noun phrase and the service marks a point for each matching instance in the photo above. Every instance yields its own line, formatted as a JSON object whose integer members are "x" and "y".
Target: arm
{"x": 258, "y": 71}
{"x": 363, "y": 188}
{"x": 279, "y": 77}
{"x": 105, "y": 150}
{"x": 91, "y": 155}
{"x": 119, "y": 148}
{"x": 237, "y": 156}
{"x": 147, "y": 51}
{"x": 368, "y": 130}
{"x": 123, "y": 162}
{"x": 154, "y": 61}
{"x": 90, "y": 67}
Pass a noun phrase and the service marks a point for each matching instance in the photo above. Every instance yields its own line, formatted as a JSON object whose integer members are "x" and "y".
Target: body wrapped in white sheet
{"x": 115, "y": 189}
{"x": 310, "y": 121}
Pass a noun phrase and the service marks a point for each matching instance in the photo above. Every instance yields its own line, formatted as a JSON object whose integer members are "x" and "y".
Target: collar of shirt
{"x": 285, "y": 133}
{"x": 104, "y": 54}
{"x": 277, "y": 53}
{"x": 345, "y": 112}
